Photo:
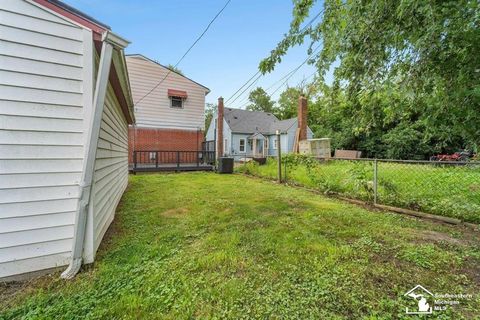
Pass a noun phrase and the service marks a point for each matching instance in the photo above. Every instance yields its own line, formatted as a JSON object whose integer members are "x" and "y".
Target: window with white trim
{"x": 242, "y": 145}
{"x": 176, "y": 102}
{"x": 275, "y": 144}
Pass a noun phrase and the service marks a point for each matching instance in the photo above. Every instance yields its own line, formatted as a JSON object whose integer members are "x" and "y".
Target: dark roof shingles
{"x": 244, "y": 121}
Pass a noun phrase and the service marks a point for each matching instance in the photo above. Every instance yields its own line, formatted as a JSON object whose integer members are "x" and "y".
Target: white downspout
{"x": 108, "y": 41}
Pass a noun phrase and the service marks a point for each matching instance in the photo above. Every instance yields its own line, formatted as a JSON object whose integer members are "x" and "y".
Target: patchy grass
{"x": 452, "y": 191}
{"x": 201, "y": 245}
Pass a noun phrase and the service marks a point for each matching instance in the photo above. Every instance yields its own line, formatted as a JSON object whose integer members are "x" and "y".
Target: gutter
{"x": 109, "y": 42}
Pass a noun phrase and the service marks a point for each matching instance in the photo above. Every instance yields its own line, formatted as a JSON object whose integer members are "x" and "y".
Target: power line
{"x": 255, "y": 81}
{"x": 275, "y": 83}
{"x": 247, "y": 102}
{"x": 243, "y": 86}
{"x": 185, "y": 54}
{"x": 287, "y": 76}
{"x": 246, "y": 97}
{"x": 291, "y": 75}
{"x": 303, "y": 29}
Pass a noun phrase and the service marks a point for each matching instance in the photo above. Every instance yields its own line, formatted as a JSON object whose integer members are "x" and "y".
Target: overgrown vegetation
{"x": 443, "y": 190}
{"x": 186, "y": 246}
{"x": 406, "y": 76}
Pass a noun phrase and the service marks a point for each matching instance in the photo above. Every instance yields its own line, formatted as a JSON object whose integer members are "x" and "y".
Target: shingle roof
{"x": 244, "y": 121}
{"x": 283, "y": 125}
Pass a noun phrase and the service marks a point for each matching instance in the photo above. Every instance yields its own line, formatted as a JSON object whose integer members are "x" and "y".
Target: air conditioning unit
{"x": 225, "y": 165}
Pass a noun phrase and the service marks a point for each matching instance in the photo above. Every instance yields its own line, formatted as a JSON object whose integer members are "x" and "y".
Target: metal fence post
{"x": 279, "y": 155}
{"x": 375, "y": 180}
{"x": 178, "y": 160}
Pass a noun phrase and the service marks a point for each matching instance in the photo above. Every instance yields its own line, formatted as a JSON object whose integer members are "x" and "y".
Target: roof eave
{"x": 207, "y": 90}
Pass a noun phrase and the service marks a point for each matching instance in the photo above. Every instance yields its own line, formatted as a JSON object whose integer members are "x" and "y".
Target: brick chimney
{"x": 302, "y": 118}
{"x": 220, "y": 128}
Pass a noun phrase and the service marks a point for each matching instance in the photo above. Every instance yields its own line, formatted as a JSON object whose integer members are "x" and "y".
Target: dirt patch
{"x": 435, "y": 236}
{"x": 472, "y": 270}
{"x": 11, "y": 292}
{"x": 465, "y": 237}
{"x": 474, "y": 187}
{"x": 175, "y": 212}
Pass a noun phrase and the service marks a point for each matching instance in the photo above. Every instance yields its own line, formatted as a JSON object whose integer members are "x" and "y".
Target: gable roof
{"x": 244, "y": 121}
{"x": 141, "y": 56}
{"x": 256, "y": 135}
{"x": 283, "y": 125}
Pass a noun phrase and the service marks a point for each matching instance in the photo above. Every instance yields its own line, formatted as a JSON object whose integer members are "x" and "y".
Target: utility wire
{"x": 246, "y": 97}
{"x": 291, "y": 74}
{"x": 287, "y": 76}
{"x": 251, "y": 84}
{"x": 244, "y": 85}
{"x": 185, "y": 54}
{"x": 257, "y": 73}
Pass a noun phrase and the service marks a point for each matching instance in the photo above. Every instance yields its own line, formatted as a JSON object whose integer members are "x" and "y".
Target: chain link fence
{"x": 450, "y": 189}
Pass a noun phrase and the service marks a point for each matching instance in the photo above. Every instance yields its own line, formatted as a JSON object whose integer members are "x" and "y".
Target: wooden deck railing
{"x": 160, "y": 160}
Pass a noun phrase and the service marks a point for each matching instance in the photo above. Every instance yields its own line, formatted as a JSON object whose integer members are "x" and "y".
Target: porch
{"x": 259, "y": 146}
{"x": 155, "y": 160}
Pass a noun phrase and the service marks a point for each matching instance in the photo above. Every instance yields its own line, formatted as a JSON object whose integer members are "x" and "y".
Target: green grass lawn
{"x": 452, "y": 191}
{"x": 203, "y": 245}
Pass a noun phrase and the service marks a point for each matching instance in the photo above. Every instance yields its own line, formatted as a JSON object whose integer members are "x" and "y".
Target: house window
{"x": 176, "y": 102}
{"x": 265, "y": 144}
{"x": 242, "y": 145}
{"x": 275, "y": 144}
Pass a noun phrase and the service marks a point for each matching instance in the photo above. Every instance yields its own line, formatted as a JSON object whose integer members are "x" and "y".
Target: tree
{"x": 210, "y": 110}
{"x": 419, "y": 76}
{"x": 174, "y": 69}
{"x": 260, "y": 101}
{"x": 288, "y": 103}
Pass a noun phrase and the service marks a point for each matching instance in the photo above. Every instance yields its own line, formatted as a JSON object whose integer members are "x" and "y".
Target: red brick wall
{"x": 147, "y": 139}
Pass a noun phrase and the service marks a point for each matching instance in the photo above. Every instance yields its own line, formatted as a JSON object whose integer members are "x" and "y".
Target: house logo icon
{"x": 421, "y": 296}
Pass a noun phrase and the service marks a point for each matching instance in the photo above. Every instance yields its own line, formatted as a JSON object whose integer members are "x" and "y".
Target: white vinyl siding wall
{"x": 154, "y": 110}
{"x": 111, "y": 167}
{"x": 43, "y": 100}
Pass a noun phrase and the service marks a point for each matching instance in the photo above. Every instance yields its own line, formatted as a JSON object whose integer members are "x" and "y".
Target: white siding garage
{"x": 46, "y": 113}
{"x": 111, "y": 167}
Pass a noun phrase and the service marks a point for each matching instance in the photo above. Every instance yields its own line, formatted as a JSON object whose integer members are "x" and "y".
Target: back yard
{"x": 228, "y": 246}
{"x": 446, "y": 190}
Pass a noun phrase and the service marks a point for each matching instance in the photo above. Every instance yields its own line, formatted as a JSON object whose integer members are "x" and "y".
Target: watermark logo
{"x": 423, "y": 299}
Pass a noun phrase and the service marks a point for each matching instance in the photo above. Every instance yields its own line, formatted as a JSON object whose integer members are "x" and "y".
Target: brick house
{"x": 170, "y": 116}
